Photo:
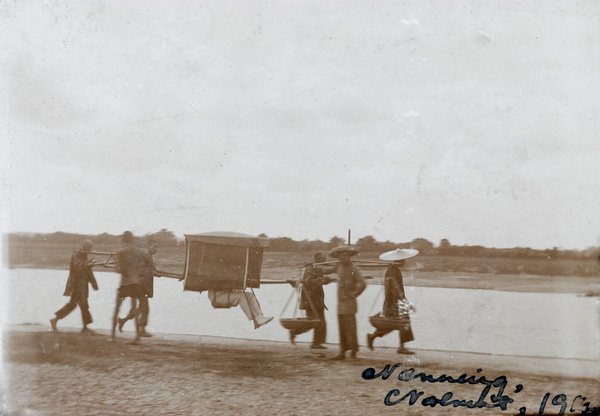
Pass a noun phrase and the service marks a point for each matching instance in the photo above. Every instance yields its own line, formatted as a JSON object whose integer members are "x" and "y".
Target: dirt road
{"x": 69, "y": 373}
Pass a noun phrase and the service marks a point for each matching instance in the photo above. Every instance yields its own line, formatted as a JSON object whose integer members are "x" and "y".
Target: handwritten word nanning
{"x": 499, "y": 399}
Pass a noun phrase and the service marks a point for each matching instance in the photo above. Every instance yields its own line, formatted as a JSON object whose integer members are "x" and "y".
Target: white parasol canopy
{"x": 399, "y": 254}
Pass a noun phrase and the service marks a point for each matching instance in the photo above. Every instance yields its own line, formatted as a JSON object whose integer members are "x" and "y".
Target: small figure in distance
{"x": 80, "y": 275}
{"x": 394, "y": 293}
{"x": 130, "y": 263}
{"x": 350, "y": 285}
{"x": 312, "y": 299}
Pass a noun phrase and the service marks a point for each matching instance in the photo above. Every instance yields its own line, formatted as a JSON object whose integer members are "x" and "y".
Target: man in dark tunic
{"x": 312, "y": 299}
{"x": 350, "y": 285}
{"x": 80, "y": 275}
{"x": 394, "y": 292}
{"x": 147, "y": 280}
{"x": 130, "y": 263}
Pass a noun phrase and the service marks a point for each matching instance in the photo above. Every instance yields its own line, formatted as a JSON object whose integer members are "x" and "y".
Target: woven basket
{"x": 303, "y": 324}
{"x": 385, "y": 323}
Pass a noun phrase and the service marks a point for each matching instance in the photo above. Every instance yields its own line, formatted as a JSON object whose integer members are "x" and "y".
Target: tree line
{"x": 369, "y": 244}
{"x": 164, "y": 237}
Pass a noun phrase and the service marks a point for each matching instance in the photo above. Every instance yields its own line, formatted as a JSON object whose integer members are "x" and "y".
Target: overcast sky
{"x": 472, "y": 121}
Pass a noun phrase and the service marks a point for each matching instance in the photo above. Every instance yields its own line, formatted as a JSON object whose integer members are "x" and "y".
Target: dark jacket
{"x": 80, "y": 275}
{"x": 312, "y": 287}
{"x": 394, "y": 291}
{"x": 350, "y": 285}
{"x": 130, "y": 263}
{"x": 147, "y": 276}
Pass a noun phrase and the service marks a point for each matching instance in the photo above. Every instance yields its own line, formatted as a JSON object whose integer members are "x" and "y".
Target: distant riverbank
{"x": 53, "y": 255}
{"x": 575, "y": 276}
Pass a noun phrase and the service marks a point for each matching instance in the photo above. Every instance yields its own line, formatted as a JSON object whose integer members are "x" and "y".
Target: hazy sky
{"x": 472, "y": 121}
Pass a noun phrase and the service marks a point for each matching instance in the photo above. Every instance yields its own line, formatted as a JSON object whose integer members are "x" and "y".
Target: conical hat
{"x": 343, "y": 249}
{"x": 399, "y": 254}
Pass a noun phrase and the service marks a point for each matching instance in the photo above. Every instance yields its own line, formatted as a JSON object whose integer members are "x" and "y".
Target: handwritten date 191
{"x": 561, "y": 400}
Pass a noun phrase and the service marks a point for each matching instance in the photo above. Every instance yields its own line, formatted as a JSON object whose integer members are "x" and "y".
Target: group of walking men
{"x": 137, "y": 270}
{"x": 350, "y": 284}
{"x": 137, "y": 282}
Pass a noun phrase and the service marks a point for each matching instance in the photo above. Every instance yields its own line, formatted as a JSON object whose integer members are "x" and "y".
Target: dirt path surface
{"x": 69, "y": 373}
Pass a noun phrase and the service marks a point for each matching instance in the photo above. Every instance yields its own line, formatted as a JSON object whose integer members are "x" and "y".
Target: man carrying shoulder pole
{"x": 80, "y": 275}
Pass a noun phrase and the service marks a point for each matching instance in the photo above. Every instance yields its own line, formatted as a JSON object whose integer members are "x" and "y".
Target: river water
{"x": 484, "y": 321}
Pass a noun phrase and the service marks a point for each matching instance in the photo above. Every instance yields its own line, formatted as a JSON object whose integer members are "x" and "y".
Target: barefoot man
{"x": 147, "y": 282}
{"x": 130, "y": 261}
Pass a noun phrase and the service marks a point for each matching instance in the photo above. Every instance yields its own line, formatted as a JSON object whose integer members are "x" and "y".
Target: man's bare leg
{"x": 137, "y": 322}
{"x": 144, "y": 311}
{"x": 129, "y": 316}
{"x": 115, "y": 318}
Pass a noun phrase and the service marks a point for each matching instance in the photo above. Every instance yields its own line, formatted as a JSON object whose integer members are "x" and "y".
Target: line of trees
{"x": 164, "y": 237}
{"x": 368, "y": 244}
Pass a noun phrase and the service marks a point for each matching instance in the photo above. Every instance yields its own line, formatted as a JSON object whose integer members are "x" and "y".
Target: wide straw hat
{"x": 399, "y": 254}
{"x": 342, "y": 249}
